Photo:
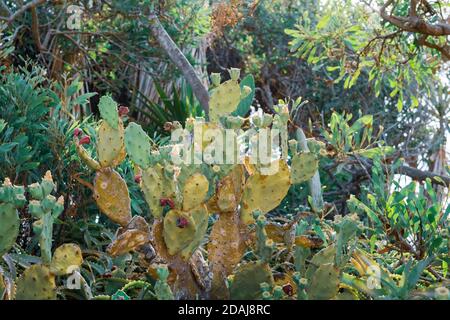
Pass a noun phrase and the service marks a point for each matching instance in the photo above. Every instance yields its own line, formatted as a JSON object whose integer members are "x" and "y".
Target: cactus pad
{"x": 179, "y": 231}
{"x": 225, "y": 250}
{"x": 36, "y": 283}
{"x": 195, "y": 191}
{"x": 9, "y": 227}
{"x": 265, "y": 192}
{"x": 137, "y": 144}
{"x": 128, "y": 241}
{"x": 66, "y": 259}
{"x": 324, "y": 284}
{"x": 224, "y": 99}
{"x": 108, "y": 111}
{"x": 110, "y": 144}
{"x": 156, "y": 185}
{"x": 112, "y": 197}
{"x": 247, "y": 281}
{"x": 303, "y": 167}
{"x": 184, "y": 231}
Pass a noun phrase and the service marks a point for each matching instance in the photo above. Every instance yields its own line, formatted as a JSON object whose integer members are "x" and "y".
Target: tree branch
{"x": 19, "y": 12}
{"x": 178, "y": 58}
{"x": 414, "y": 23}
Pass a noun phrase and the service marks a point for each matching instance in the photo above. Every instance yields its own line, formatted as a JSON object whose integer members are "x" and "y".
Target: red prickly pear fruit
{"x": 123, "y": 111}
{"x": 167, "y": 202}
{"x": 77, "y": 132}
{"x": 85, "y": 140}
{"x": 288, "y": 289}
{"x": 182, "y": 222}
{"x": 138, "y": 178}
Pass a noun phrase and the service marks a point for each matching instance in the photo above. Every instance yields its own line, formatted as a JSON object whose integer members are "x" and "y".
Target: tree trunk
{"x": 178, "y": 58}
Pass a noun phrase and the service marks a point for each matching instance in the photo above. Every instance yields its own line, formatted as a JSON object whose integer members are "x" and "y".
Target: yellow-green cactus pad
{"x": 128, "y": 241}
{"x": 200, "y": 217}
{"x": 112, "y": 197}
{"x": 66, "y": 259}
{"x": 324, "y": 284}
{"x": 265, "y": 192}
{"x": 324, "y": 256}
{"x": 303, "y": 167}
{"x": 108, "y": 111}
{"x": 247, "y": 280}
{"x": 110, "y": 144}
{"x": 36, "y": 283}
{"x": 9, "y": 227}
{"x": 224, "y": 100}
{"x": 179, "y": 230}
{"x": 156, "y": 186}
{"x": 195, "y": 191}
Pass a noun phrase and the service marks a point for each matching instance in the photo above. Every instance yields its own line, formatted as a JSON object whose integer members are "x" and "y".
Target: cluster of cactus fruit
{"x": 187, "y": 200}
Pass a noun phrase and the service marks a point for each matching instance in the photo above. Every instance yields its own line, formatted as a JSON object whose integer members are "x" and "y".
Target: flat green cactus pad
{"x": 324, "y": 284}
{"x": 108, "y": 111}
{"x": 224, "y": 100}
{"x": 66, "y": 259}
{"x": 36, "y": 283}
{"x": 179, "y": 231}
{"x": 303, "y": 167}
{"x": 247, "y": 281}
{"x": 200, "y": 217}
{"x": 195, "y": 191}
{"x": 137, "y": 144}
{"x": 156, "y": 186}
{"x": 112, "y": 197}
{"x": 9, "y": 227}
{"x": 110, "y": 144}
{"x": 265, "y": 192}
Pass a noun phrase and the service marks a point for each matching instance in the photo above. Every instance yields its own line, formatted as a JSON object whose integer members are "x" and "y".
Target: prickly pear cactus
{"x": 110, "y": 144}
{"x": 46, "y": 208}
{"x": 110, "y": 138}
{"x": 324, "y": 284}
{"x": 162, "y": 289}
{"x": 112, "y": 196}
{"x": 226, "y": 97}
{"x": 184, "y": 231}
{"x": 265, "y": 192}
{"x": 195, "y": 191}
{"x": 157, "y": 184}
{"x": 36, "y": 283}
{"x": 108, "y": 111}
{"x": 138, "y": 146}
{"x": 66, "y": 259}
{"x": 303, "y": 167}
{"x": 248, "y": 279}
{"x": 11, "y": 197}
